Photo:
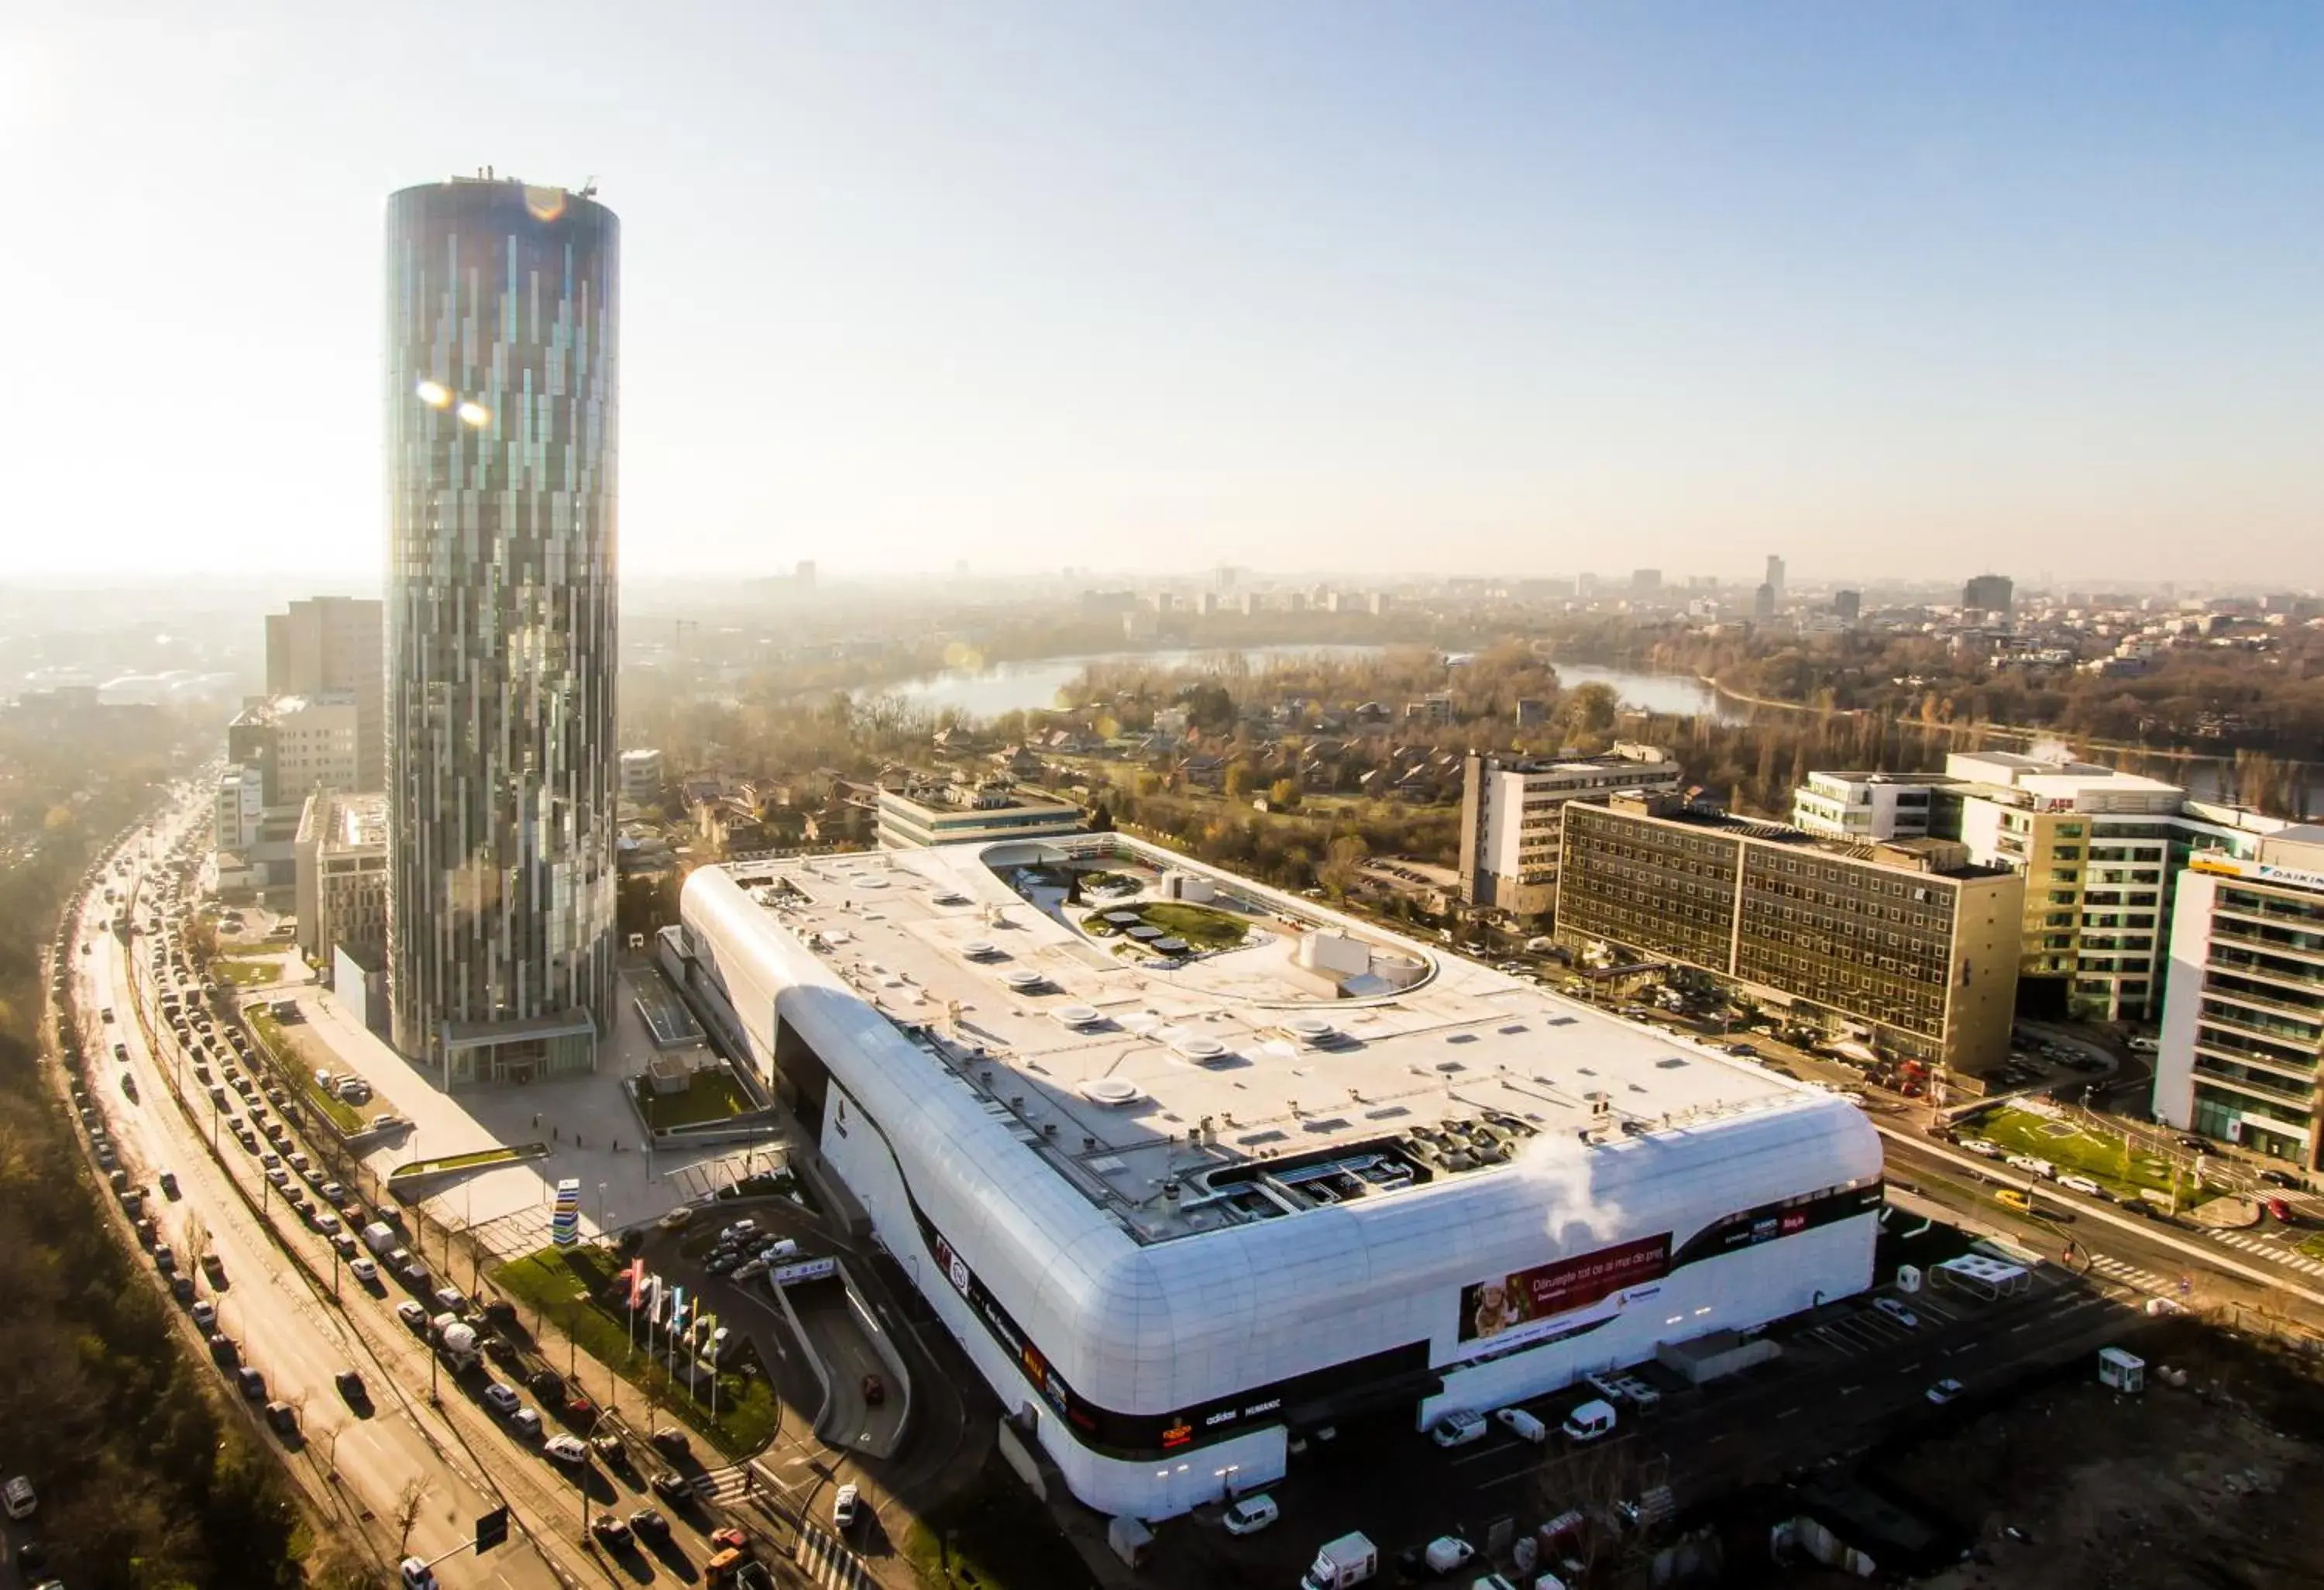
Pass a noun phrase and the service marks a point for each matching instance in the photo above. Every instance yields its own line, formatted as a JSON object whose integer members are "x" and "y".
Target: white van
{"x": 1522, "y": 1425}
{"x": 1458, "y": 1429}
{"x": 1588, "y": 1422}
{"x": 1250, "y": 1515}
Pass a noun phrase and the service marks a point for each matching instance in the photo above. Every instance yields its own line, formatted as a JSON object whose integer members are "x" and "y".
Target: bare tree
{"x": 198, "y": 1236}
{"x": 409, "y": 1503}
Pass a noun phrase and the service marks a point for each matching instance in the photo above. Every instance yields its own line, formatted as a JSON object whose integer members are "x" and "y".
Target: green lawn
{"x": 561, "y": 1284}
{"x": 247, "y": 973}
{"x": 285, "y": 1056}
{"x": 2313, "y": 1247}
{"x": 1201, "y": 926}
{"x": 711, "y": 1093}
{"x": 2104, "y": 1157}
{"x": 1001, "y": 1538}
{"x": 501, "y": 1156}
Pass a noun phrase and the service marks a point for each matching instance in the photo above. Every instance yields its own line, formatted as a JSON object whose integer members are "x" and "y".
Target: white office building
{"x": 2243, "y": 1027}
{"x": 1178, "y": 1203}
{"x": 955, "y": 811}
{"x": 1512, "y": 815}
{"x": 2100, "y": 850}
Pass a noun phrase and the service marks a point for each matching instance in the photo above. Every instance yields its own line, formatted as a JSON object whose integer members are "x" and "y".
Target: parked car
{"x": 567, "y": 1449}
{"x": 843, "y": 1507}
{"x": 1250, "y": 1515}
{"x": 1945, "y": 1391}
{"x": 413, "y": 1316}
{"x": 364, "y": 1271}
{"x": 502, "y": 1398}
{"x": 253, "y": 1383}
{"x": 1898, "y": 1312}
{"x": 651, "y": 1525}
{"x": 1522, "y": 1425}
{"x": 526, "y": 1422}
{"x": 1458, "y": 1429}
{"x": 611, "y": 1529}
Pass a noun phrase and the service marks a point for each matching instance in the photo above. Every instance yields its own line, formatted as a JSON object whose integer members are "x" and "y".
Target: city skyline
{"x": 1157, "y": 290}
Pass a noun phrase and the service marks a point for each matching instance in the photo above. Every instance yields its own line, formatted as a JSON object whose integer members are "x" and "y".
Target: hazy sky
{"x": 1890, "y": 289}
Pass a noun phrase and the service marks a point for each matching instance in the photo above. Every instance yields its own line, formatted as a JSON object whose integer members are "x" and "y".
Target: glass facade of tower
{"x": 501, "y": 771}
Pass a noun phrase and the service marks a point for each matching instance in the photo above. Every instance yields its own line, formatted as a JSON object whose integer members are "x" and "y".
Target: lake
{"x": 1032, "y": 685}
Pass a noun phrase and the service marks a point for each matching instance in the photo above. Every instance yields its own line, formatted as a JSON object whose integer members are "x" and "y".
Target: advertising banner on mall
{"x": 1527, "y": 1304}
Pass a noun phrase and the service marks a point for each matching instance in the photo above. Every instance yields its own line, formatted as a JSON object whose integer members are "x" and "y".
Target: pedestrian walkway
{"x": 2267, "y": 1250}
{"x": 2131, "y": 1275}
{"x": 830, "y": 1563}
{"x": 725, "y": 1486}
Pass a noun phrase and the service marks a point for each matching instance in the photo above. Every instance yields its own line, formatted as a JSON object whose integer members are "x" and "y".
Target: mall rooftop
{"x": 1306, "y": 1059}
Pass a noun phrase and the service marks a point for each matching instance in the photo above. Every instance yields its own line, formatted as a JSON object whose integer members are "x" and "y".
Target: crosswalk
{"x": 830, "y": 1563}
{"x": 724, "y": 1486}
{"x": 2131, "y": 1275}
{"x": 2270, "y": 1251}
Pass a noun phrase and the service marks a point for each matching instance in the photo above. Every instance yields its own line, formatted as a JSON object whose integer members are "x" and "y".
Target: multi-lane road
{"x": 300, "y": 1320}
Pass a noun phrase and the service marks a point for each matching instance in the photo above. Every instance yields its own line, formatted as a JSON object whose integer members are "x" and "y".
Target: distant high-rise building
{"x": 1763, "y": 602}
{"x": 334, "y": 646}
{"x": 1645, "y": 582}
{"x": 1775, "y": 575}
{"x": 802, "y": 577}
{"x": 1848, "y": 604}
{"x": 503, "y": 339}
{"x": 1987, "y": 593}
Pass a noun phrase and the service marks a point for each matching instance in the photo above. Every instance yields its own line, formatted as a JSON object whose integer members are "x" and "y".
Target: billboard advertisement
{"x": 1531, "y": 1303}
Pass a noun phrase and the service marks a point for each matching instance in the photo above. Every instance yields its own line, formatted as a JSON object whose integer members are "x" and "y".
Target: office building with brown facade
{"x": 1907, "y": 947}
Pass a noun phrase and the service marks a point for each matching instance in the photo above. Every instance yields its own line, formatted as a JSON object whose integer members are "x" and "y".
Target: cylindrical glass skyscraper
{"x": 503, "y": 331}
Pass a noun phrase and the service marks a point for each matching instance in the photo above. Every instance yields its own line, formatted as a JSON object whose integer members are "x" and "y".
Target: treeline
{"x": 144, "y": 1484}
{"x": 2207, "y": 700}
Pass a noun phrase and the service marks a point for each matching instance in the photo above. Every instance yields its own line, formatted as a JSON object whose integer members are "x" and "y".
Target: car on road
{"x": 205, "y": 1317}
{"x": 1458, "y": 1429}
{"x": 253, "y": 1383}
{"x": 749, "y": 1270}
{"x": 279, "y": 1176}
{"x": 2042, "y": 1167}
{"x": 168, "y": 1182}
{"x": 724, "y": 1260}
{"x": 609, "y": 1451}
{"x": 2083, "y": 1184}
{"x": 2279, "y": 1179}
{"x": 875, "y": 1390}
{"x": 2009, "y": 1197}
{"x": 164, "y": 1259}
{"x": 364, "y": 1271}
{"x": 843, "y": 1504}
{"x": 2281, "y": 1210}
{"x": 1898, "y": 1312}
{"x": 1980, "y": 1148}
{"x": 567, "y": 1449}
{"x": 2196, "y": 1145}
{"x": 502, "y": 1398}
{"x": 649, "y": 1525}
{"x": 19, "y": 1497}
{"x": 1441, "y": 1557}
{"x": 2139, "y": 1043}
{"x": 672, "y": 1440}
{"x": 1250, "y": 1515}
{"x": 224, "y": 1350}
{"x": 351, "y": 1386}
{"x": 670, "y": 1487}
{"x": 526, "y": 1423}
{"x": 215, "y": 1268}
{"x": 1945, "y": 1391}
{"x": 417, "y": 1574}
{"x": 611, "y": 1529}
{"x": 413, "y": 1316}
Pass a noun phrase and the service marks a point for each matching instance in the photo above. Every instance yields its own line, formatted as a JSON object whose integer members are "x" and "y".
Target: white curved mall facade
{"x": 1467, "y": 1192}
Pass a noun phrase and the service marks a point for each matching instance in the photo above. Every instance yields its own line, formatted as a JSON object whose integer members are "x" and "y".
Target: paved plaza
{"x": 589, "y": 1128}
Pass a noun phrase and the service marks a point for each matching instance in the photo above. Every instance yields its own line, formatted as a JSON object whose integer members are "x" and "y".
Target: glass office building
{"x": 501, "y": 391}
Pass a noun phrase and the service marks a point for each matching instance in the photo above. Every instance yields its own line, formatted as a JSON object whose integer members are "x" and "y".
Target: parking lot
{"x": 1850, "y": 1372}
